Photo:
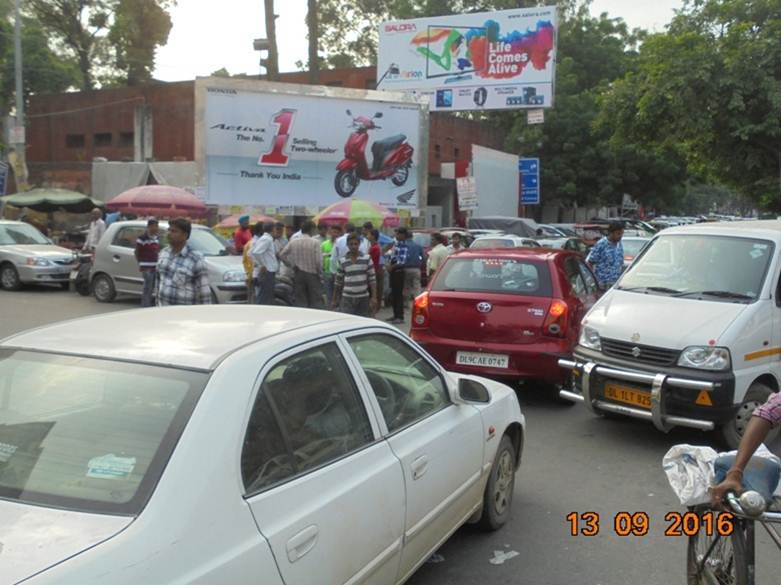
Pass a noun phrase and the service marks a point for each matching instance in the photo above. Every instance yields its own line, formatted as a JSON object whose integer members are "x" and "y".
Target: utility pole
{"x": 272, "y": 62}
{"x": 18, "y": 133}
{"x": 312, "y": 24}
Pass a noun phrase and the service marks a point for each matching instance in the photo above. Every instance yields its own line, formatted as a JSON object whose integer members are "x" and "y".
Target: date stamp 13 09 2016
{"x": 639, "y": 523}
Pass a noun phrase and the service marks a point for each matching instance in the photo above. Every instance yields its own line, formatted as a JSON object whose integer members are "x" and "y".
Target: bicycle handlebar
{"x": 751, "y": 505}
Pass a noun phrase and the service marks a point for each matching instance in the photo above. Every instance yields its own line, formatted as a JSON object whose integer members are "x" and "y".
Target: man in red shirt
{"x": 243, "y": 234}
{"x": 147, "y": 252}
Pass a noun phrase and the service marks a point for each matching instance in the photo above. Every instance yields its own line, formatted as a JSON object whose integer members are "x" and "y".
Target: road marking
{"x": 500, "y": 557}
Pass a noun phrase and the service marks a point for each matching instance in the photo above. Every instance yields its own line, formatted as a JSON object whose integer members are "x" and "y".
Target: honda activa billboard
{"x": 483, "y": 61}
{"x": 274, "y": 145}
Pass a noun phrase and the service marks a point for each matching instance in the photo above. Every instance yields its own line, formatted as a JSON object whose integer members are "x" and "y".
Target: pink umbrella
{"x": 232, "y": 221}
{"x": 160, "y": 200}
{"x": 358, "y": 212}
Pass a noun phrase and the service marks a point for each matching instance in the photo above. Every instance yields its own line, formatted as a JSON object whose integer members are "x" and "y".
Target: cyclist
{"x": 764, "y": 419}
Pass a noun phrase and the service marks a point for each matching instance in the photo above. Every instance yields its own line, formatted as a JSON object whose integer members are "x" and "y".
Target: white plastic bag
{"x": 689, "y": 470}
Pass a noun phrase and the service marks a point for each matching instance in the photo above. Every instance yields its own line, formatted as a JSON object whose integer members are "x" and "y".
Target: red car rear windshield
{"x": 494, "y": 275}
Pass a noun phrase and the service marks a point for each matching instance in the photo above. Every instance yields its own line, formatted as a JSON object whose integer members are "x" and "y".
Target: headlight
{"x": 234, "y": 276}
{"x": 38, "y": 262}
{"x": 705, "y": 358}
{"x": 589, "y": 338}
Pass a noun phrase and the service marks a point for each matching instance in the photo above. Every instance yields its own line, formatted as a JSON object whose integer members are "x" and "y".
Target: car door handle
{"x": 419, "y": 467}
{"x": 302, "y": 543}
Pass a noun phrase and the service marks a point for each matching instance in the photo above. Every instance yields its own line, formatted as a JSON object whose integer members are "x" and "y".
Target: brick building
{"x": 66, "y": 132}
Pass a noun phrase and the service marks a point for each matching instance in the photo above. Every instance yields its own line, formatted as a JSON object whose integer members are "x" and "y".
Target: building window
{"x": 335, "y": 83}
{"x": 102, "y": 139}
{"x": 456, "y": 153}
{"x": 437, "y": 151}
{"x": 370, "y": 84}
{"x": 74, "y": 141}
{"x": 126, "y": 139}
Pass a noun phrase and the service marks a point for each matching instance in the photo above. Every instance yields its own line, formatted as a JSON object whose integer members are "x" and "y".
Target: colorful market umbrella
{"x": 47, "y": 200}
{"x": 158, "y": 200}
{"x": 232, "y": 221}
{"x": 358, "y": 212}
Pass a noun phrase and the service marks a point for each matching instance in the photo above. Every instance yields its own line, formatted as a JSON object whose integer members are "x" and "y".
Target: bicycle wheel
{"x": 715, "y": 559}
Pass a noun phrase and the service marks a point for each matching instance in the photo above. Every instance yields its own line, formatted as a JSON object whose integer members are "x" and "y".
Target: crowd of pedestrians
{"x": 325, "y": 267}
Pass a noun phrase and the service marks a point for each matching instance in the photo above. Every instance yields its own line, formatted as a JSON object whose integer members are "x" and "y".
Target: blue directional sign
{"x": 529, "y": 169}
{"x": 3, "y": 177}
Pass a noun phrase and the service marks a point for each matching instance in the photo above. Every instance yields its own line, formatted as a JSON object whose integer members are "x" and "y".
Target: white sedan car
{"x": 238, "y": 445}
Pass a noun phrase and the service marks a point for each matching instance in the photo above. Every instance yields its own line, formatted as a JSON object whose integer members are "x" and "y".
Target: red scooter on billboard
{"x": 392, "y": 157}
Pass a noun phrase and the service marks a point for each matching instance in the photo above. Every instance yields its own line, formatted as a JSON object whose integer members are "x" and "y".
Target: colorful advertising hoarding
{"x": 263, "y": 144}
{"x": 483, "y": 61}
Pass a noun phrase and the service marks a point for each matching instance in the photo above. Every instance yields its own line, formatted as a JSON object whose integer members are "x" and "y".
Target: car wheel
{"x": 732, "y": 431}
{"x": 103, "y": 288}
{"x": 498, "y": 496}
{"x": 9, "y": 277}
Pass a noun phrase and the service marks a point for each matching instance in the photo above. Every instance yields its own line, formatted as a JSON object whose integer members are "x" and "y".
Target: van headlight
{"x": 234, "y": 276}
{"x": 589, "y": 338}
{"x": 705, "y": 358}
{"x": 38, "y": 262}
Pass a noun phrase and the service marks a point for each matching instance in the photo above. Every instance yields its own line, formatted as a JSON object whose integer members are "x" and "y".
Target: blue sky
{"x": 207, "y": 36}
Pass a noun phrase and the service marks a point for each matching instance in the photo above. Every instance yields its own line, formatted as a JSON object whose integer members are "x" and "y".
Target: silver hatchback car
{"x": 29, "y": 257}
{"x": 115, "y": 270}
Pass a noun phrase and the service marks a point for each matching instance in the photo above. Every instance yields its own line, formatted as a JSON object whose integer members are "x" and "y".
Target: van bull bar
{"x": 659, "y": 383}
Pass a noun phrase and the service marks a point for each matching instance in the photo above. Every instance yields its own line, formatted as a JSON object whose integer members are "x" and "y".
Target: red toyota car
{"x": 507, "y": 313}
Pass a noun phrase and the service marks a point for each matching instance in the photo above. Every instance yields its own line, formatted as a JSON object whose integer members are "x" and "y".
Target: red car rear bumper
{"x": 539, "y": 361}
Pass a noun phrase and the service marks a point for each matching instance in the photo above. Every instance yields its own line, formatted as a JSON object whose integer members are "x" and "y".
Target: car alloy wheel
{"x": 9, "y": 278}
{"x": 505, "y": 474}
{"x": 103, "y": 289}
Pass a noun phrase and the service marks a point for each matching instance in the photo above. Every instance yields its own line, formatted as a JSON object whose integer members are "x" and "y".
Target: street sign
{"x": 535, "y": 117}
{"x": 467, "y": 193}
{"x": 17, "y": 135}
{"x": 529, "y": 169}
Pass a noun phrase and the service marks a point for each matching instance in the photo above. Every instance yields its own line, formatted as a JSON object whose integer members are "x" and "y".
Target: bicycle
{"x": 725, "y": 554}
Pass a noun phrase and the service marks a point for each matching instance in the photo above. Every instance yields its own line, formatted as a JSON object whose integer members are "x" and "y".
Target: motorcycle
{"x": 392, "y": 157}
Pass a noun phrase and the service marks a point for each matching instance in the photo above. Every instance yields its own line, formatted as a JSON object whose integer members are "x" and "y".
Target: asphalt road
{"x": 573, "y": 462}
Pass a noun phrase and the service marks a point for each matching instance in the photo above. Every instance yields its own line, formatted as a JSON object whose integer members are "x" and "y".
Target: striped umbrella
{"x": 358, "y": 212}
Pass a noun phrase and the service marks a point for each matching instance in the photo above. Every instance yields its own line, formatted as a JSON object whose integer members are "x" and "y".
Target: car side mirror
{"x": 472, "y": 391}
{"x": 378, "y": 115}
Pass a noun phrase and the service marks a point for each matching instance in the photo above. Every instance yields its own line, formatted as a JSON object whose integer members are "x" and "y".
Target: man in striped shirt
{"x": 355, "y": 290}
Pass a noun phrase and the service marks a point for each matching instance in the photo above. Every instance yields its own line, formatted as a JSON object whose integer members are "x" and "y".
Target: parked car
{"x": 690, "y": 335}
{"x": 29, "y": 257}
{"x": 115, "y": 270}
{"x": 633, "y": 246}
{"x": 228, "y": 444}
{"x": 507, "y": 313}
{"x": 570, "y": 244}
{"x": 505, "y": 241}
{"x": 549, "y": 231}
{"x": 568, "y": 229}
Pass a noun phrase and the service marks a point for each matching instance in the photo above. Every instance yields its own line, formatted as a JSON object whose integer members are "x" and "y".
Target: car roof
{"x": 163, "y": 223}
{"x": 194, "y": 337}
{"x": 767, "y": 228}
{"x": 12, "y": 222}
{"x": 636, "y": 238}
{"x": 539, "y": 253}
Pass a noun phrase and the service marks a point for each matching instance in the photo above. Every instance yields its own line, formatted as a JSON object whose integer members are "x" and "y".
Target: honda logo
{"x": 484, "y": 307}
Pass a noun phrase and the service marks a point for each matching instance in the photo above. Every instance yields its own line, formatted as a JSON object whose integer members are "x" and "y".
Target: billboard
{"x": 281, "y": 145}
{"x": 481, "y": 61}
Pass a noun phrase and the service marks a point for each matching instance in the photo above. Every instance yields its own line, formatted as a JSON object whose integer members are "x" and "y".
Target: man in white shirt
{"x": 340, "y": 246}
{"x": 437, "y": 255}
{"x": 264, "y": 255}
{"x": 97, "y": 227}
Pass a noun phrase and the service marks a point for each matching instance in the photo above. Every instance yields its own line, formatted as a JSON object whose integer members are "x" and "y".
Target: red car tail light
{"x": 556, "y": 320}
{"x": 420, "y": 311}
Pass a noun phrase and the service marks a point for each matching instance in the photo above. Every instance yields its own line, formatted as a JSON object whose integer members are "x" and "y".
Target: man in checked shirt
{"x": 182, "y": 277}
{"x": 765, "y": 418}
{"x": 304, "y": 255}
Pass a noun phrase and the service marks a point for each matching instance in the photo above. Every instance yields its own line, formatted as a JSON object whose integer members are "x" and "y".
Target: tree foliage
{"x": 110, "y": 40}
{"x": 710, "y": 88}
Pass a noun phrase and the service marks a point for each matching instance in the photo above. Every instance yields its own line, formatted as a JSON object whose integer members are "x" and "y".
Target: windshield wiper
{"x": 655, "y": 289}
{"x": 723, "y": 294}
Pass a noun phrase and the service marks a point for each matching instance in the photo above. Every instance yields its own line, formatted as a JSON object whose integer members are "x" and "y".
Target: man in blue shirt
{"x": 404, "y": 270}
{"x": 607, "y": 256}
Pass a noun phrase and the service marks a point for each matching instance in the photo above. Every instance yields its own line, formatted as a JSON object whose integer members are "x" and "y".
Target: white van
{"x": 691, "y": 333}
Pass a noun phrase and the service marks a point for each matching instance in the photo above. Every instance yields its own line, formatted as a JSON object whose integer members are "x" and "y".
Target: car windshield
{"x": 633, "y": 247}
{"x": 492, "y": 243}
{"x": 88, "y": 434}
{"x": 207, "y": 243}
{"x": 422, "y": 239}
{"x": 21, "y": 234}
{"x": 716, "y": 268}
{"x": 494, "y": 275}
